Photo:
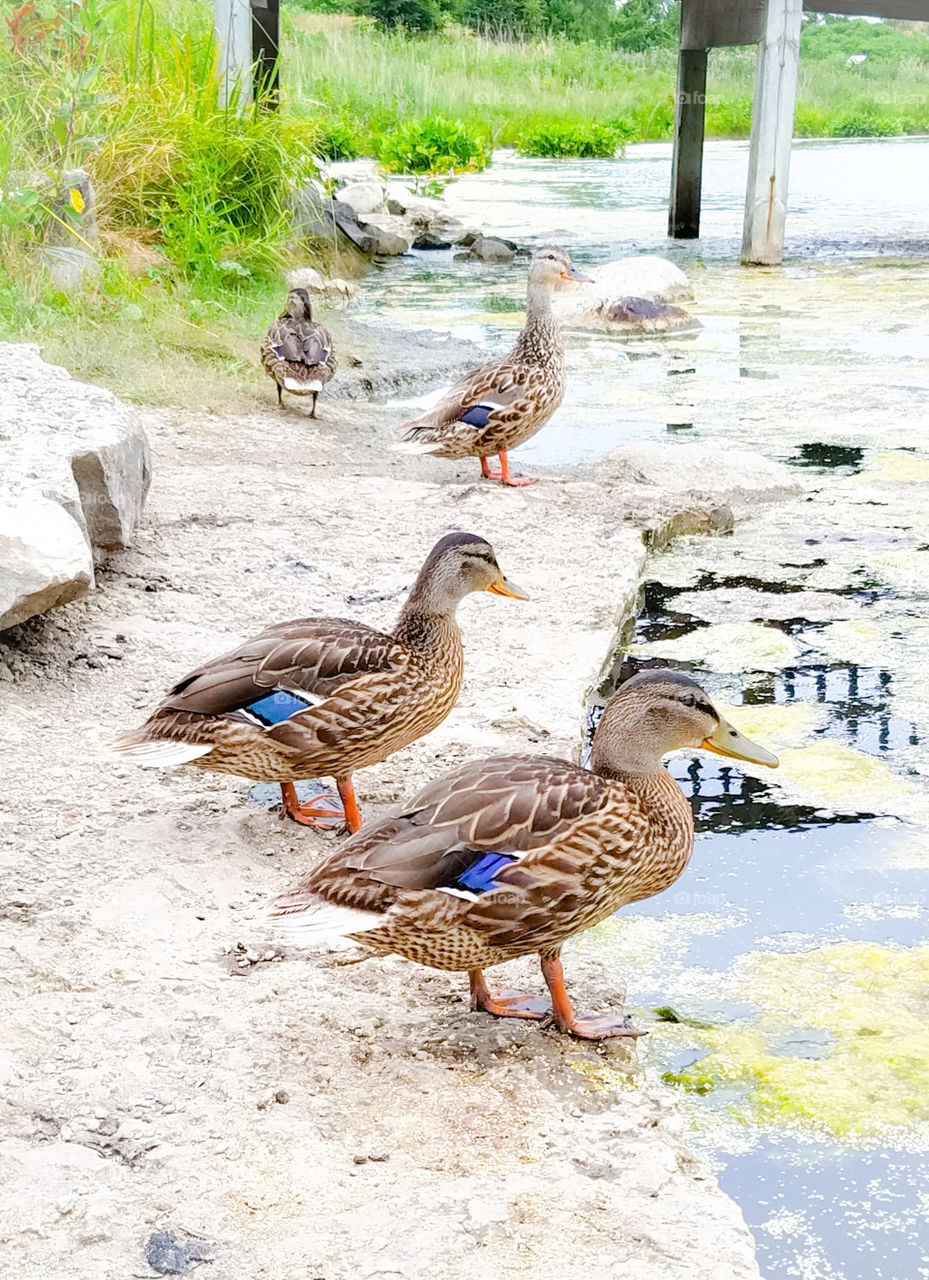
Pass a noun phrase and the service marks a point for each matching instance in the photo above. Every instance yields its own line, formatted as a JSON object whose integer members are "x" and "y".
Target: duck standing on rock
{"x": 297, "y": 351}
{"x": 325, "y": 696}
{"x": 511, "y": 856}
{"x": 505, "y": 401}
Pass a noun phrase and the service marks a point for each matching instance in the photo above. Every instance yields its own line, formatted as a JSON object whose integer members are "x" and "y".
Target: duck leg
{"x": 315, "y": 398}
{"x": 504, "y": 1004}
{"x": 308, "y": 815}
{"x": 505, "y": 475}
{"x": 598, "y": 1028}
{"x": 349, "y": 803}
{"x": 280, "y": 398}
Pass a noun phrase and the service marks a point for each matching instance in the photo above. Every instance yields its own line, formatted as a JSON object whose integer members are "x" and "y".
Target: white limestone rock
{"x": 638, "y": 295}
{"x": 74, "y": 473}
{"x": 364, "y": 197}
{"x": 740, "y": 478}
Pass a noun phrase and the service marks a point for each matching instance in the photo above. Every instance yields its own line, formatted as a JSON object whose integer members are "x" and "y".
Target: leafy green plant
{"x": 417, "y": 16}
{"x": 503, "y": 19}
{"x": 338, "y": 140}
{"x": 433, "y": 145}
{"x": 867, "y": 122}
{"x": 587, "y": 141}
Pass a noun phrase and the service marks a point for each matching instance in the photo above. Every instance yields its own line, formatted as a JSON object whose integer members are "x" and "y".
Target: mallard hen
{"x": 505, "y": 401}
{"x": 506, "y": 857}
{"x": 297, "y": 351}
{"x": 325, "y": 696}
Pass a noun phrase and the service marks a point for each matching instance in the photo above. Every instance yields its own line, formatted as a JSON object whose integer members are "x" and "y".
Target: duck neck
{"x": 540, "y": 338}
{"x": 662, "y": 799}
{"x": 427, "y": 620}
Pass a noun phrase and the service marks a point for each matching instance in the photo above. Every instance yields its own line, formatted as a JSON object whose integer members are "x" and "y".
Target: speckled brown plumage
{"x": 506, "y": 400}
{"x": 574, "y": 845}
{"x": 297, "y": 351}
{"x": 352, "y": 695}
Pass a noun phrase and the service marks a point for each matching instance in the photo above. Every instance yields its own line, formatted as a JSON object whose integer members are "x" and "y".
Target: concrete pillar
{"x": 687, "y": 161}
{"x": 772, "y": 131}
{"x": 232, "y": 24}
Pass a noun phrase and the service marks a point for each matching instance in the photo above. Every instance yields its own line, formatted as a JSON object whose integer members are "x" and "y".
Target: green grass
{"x": 373, "y": 82}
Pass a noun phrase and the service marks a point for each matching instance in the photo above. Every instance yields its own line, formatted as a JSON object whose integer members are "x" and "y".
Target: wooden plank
{"x": 687, "y": 162}
{"x": 266, "y": 49}
{"x": 772, "y": 131}
{"x": 708, "y": 24}
{"x": 911, "y": 10}
{"x": 232, "y": 28}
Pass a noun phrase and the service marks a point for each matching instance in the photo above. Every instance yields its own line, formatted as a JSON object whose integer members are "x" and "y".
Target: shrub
{"x": 432, "y": 145}
{"x": 729, "y": 117}
{"x": 503, "y": 19}
{"x": 588, "y": 141}
{"x": 418, "y": 16}
{"x": 338, "y": 140}
{"x": 646, "y": 24}
{"x": 867, "y": 122}
{"x": 810, "y": 122}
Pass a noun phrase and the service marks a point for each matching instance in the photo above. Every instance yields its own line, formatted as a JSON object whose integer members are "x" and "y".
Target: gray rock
{"x": 69, "y": 267}
{"x": 643, "y": 315}
{"x": 332, "y": 287}
{"x": 738, "y": 478}
{"x": 441, "y": 232}
{"x": 172, "y": 1257}
{"x": 493, "y": 249}
{"x": 76, "y": 189}
{"x": 391, "y": 236}
{"x": 364, "y": 198}
{"x": 74, "y": 473}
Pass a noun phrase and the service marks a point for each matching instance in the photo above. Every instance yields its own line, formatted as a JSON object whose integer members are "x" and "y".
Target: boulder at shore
{"x": 74, "y": 472}
{"x": 635, "y": 295}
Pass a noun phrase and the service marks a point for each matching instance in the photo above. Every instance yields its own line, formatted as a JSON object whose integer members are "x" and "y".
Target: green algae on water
{"x": 864, "y": 1009}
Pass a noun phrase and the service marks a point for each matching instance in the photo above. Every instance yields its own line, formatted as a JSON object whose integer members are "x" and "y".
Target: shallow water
{"x": 810, "y": 620}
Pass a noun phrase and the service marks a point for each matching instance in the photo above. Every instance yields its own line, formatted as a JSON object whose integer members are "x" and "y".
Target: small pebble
{"x": 282, "y": 1096}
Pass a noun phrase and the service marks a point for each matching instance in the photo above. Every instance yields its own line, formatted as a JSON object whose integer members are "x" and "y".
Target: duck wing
{"x": 502, "y": 836}
{"x": 302, "y": 342}
{"x": 488, "y": 398}
{"x": 283, "y": 675}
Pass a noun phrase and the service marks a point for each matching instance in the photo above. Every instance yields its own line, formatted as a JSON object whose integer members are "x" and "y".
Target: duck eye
{"x": 688, "y": 700}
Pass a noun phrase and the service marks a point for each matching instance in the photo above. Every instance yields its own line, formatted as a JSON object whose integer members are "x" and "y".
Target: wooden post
{"x": 266, "y": 42}
{"x": 687, "y": 162}
{"x": 772, "y": 131}
{"x": 232, "y": 24}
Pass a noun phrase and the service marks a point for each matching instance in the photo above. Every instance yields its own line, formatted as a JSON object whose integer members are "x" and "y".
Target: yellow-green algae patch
{"x": 872, "y": 1003}
{"x": 728, "y": 647}
{"x": 777, "y": 725}
{"x": 894, "y": 468}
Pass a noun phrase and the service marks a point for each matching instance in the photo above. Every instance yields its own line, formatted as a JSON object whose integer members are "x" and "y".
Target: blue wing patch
{"x": 477, "y": 415}
{"x": 479, "y": 877}
{"x": 277, "y": 706}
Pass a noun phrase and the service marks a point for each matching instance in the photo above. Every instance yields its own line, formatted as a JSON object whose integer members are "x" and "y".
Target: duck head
{"x": 458, "y": 564}
{"x": 660, "y": 711}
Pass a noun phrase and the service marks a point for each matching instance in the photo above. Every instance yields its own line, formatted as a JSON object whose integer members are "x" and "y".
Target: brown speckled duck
{"x": 325, "y": 696}
{"x": 297, "y": 351}
{"x": 505, "y": 401}
{"x": 511, "y": 856}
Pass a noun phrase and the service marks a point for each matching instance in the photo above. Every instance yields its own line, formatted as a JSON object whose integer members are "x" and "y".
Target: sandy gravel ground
{"x": 165, "y": 1068}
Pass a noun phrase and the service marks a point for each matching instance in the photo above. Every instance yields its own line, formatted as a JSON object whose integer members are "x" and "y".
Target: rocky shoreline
{"x": 167, "y": 1067}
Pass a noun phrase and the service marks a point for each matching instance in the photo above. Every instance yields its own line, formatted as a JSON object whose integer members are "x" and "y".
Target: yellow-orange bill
{"x": 503, "y": 587}
{"x": 727, "y": 741}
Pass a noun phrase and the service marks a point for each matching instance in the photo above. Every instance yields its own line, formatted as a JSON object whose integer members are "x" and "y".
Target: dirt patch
{"x": 167, "y": 1068}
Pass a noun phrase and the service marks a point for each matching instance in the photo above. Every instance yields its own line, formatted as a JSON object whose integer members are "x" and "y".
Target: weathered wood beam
{"x": 232, "y": 25}
{"x": 687, "y": 161}
{"x": 772, "y": 133}
{"x": 266, "y": 47}
{"x": 708, "y": 24}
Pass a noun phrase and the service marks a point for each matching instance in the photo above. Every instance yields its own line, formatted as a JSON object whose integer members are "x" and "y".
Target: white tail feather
{"x": 159, "y": 754}
{"x": 321, "y": 922}
{"x": 416, "y": 446}
{"x": 292, "y": 384}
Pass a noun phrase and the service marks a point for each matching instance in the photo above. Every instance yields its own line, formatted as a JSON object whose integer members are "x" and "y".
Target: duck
{"x": 514, "y": 855}
{"x": 506, "y": 400}
{"x": 325, "y": 697}
{"x": 297, "y": 351}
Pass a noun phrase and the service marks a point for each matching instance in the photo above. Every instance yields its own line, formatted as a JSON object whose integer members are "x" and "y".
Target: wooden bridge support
{"x": 687, "y": 163}
{"x": 248, "y": 45}
{"x": 772, "y": 133}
